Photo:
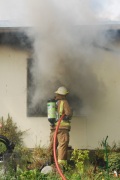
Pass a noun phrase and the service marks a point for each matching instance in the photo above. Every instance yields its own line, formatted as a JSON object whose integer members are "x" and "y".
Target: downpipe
{"x": 54, "y": 148}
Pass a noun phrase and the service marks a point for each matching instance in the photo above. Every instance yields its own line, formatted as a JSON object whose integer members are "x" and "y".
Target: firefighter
{"x": 64, "y": 128}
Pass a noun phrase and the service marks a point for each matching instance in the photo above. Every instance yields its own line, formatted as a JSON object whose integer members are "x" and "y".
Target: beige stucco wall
{"x": 87, "y": 131}
{"x": 13, "y": 91}
{"x": 105, "y": 119}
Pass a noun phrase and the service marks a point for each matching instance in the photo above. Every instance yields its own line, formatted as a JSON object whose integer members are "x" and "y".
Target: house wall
{"x": 105, "y": 119}
{"x": 13, "y": 98}
{"x": 86, "y": 132}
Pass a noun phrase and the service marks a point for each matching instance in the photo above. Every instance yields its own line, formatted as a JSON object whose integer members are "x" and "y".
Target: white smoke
{"x": 67, "y": 39}
{"x": 68, "y": 42}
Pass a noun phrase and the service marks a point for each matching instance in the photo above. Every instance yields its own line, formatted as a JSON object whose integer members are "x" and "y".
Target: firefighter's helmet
{"x": 62, "y": 91}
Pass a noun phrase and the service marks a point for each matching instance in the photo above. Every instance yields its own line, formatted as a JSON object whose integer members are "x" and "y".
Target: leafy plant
{"x": 2, "y": 148}
{"x": 11, "y": 131}
{"x": 114, "y": 161}
{"x": 73, "y": 176}
{"x": 22, "y": 155}
{"x": 31, "y": 175}
{"x": 79, "y": 157}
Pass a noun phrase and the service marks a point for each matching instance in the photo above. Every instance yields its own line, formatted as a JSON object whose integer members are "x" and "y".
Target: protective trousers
{"x": 61, "y": 145}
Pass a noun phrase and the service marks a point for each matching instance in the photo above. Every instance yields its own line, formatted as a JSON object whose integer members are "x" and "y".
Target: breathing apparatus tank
{"x": 51, "y": 109}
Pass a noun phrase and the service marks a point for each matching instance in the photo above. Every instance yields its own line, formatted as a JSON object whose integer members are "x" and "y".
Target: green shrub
{"x": 22, "y": 155}
{"x": 2, "y": 148}
{"x": 31, "y": 158}
{"x": 31, "y": 175}
{"x": 114, "y": 161}
{"x": 11, "y": 131}
{"x": 79, "y": 157}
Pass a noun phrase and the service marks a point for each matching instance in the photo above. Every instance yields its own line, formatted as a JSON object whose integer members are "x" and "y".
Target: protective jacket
{"x": 63, "y": 108}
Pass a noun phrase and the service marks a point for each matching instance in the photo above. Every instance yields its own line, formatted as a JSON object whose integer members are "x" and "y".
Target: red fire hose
{"x": 54, "y": 148}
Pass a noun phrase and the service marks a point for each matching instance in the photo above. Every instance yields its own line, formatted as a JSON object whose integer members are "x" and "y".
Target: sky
{"x": 18, "y": 10}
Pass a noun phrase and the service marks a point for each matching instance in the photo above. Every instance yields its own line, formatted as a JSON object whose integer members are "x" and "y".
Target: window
{"x": 33, "y": 109}
{"x": 39, "y": 109}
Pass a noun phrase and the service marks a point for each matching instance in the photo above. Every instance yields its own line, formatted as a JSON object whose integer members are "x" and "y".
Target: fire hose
{"x": 54, "y": 148}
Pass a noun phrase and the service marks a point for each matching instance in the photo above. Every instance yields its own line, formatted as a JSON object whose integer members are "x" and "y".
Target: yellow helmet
{"x": 62, "y": 91}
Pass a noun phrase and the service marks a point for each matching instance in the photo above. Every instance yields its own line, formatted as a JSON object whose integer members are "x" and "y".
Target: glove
{"x": 66, "y": 118}
{"x": 52, "y": 122}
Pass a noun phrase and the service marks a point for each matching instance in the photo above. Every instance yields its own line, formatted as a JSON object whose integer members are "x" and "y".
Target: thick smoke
{"x": 68, "y": 42}
{"x": 76, "y": 45}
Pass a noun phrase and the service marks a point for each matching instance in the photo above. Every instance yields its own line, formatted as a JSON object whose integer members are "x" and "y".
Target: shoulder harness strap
{"x": 61, "y": 108}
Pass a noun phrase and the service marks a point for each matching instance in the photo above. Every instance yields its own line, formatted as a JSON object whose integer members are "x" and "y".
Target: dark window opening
{"x": 33, "y": 110}
{"x": 40, "y": 109}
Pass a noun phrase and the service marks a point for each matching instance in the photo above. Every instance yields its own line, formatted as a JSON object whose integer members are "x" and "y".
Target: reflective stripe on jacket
{"x": 64, "y": 108}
